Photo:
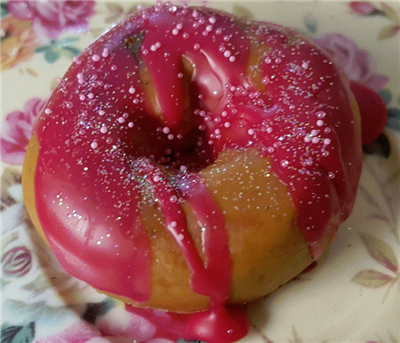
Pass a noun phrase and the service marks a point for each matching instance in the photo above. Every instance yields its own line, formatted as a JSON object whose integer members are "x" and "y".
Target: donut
{"x": 190, "y": 161}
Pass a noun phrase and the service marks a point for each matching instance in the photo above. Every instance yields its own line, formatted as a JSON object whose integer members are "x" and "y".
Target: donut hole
{"x": 183, "y": 146}
{"x": 176, "y": 149}
{"x": 192, "y": 152}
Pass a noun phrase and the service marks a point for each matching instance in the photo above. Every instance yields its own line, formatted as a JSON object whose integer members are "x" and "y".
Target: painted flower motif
{"x": 83, "y": 332}
{"x": 80, "y": 332}
{"x": 50, "y": 19}
{"x": 18, "y": 42}
{"x": 118, "y": 322}
{"x": 17, "y": 261}
{"x": 362, "y": 7}
{"x": 117, "y": 12}
{"x": 383, "y": 254}
{"x": 17, "y": 131}
{"x": 365, "y": 8}
{"x": 357, "y": 63}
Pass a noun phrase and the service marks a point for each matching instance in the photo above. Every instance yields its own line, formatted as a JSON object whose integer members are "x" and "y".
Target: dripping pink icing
{"x": 102, "y": 148}
{"x": 373, "y": 112}
{"x": 215, "y": 280}
{"x": 218, "y": 325}
{"x": 211, "y": 277}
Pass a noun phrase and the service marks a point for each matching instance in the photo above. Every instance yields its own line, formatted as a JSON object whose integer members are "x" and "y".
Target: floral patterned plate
{"x": 351, "y": 294}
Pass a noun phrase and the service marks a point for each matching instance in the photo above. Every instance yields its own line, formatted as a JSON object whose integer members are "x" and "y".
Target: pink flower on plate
{"x": 51, "y": 18}
{"x": 18, "y": 42}
{"x": 17, "y": 261}
{"x": 17, "y": 131}
{"x": 357, "y": 63}
{"x": 83, "y": 332}
{"x": 80, "y": 332}
{"x": 362, "y": 7}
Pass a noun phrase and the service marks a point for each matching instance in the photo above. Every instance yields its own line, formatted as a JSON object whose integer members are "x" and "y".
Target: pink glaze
{"x": 373, "y": 112}
{"x": 215, "y": 279}
{"x": 104, "y": 148}
{"x": 217, "y": 325}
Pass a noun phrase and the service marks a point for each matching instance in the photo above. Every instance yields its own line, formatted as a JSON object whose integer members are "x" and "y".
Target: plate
{"x": 351, "y": 294}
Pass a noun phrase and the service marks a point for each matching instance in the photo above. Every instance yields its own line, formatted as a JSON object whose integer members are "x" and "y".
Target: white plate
{"x": 352, "y": 293}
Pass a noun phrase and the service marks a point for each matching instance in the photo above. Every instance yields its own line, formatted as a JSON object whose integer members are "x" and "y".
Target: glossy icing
{"x": 218, "y": 325}
{"x": 156, "y": 99}
{"x": 373, "y": 112}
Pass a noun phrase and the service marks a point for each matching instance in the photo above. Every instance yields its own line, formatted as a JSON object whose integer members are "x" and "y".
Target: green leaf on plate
{"x": 67, "y": 41}
{"x": 114, "y": 8}
{"x": 54, "y": 84}
{"x": 4, "y": 9}
{"x": 393, "y": 124}
{"x": 390, "y": 13}
{"x": 389, "y": 32}
{"x": 43, "y": 48}
{"x": 39, "y": 285}
{"x": 52, "y": 55}
{"x": 70, "y": 51}
{"x": 386, "y": 95}
{"x": 380, "y": 251}
{"x": 132, "y": 9}
{"x": 311, "y": 23}
{"x": 112, "y": 18}
{"x": 9, "y": 238}
{"x": 18, "y": 334}
{"x": 96, "y": 31}
{"x": 242, "y": 12}
{"x": 371, "y": 278}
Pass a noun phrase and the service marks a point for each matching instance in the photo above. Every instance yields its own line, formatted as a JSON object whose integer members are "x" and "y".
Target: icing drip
{"x": 218, "y": 325}
{"x": 372, "y": 110}
{"x": 211, "y": 277}
{"x": 215, "y": 279}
